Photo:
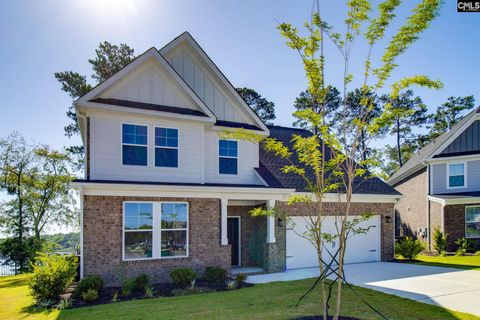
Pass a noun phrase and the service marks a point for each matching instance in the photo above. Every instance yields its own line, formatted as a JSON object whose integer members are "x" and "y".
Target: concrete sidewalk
{"x": 450, "y": 288}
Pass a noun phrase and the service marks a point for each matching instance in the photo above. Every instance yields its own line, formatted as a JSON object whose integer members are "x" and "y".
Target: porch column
{"x": 223, "y": 222}
{"x": 270, "y": 223}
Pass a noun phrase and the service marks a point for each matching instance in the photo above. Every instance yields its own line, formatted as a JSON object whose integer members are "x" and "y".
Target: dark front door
{"x": 233, "y": 234}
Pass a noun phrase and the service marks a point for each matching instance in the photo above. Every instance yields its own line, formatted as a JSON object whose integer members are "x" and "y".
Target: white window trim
{"x": 134, "y": 144}
{"x": 465, "y": 183}
{"x": 227, "y": 157}
{"x": 177, "y": 148}
{"x": 465, "y": 224}
{"x": 157, "y": 230}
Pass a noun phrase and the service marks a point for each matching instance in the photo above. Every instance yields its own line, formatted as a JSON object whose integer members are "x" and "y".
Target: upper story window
{"x": 228, "y": 157}
{"x": 134, "y": 145}
{"x": 166, "y": 147}
{"x": 456, "y": 175}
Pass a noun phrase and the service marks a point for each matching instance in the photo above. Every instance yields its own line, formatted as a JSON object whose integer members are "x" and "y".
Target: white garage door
{"x": 360, "y": 247}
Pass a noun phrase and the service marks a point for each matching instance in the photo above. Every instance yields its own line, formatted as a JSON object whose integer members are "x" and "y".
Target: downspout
{"x": 428, "y": 233}
{"x": 80, "y": 191}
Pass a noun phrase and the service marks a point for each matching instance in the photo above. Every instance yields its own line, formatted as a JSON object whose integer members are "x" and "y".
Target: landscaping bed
{"x": 107, "y": 294}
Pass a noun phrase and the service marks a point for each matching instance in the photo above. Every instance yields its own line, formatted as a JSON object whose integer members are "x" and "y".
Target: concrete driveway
{"x": 450, "y": 288}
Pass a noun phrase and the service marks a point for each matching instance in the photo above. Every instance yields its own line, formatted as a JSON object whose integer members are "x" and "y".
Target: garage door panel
{"x": 360, "y": 247}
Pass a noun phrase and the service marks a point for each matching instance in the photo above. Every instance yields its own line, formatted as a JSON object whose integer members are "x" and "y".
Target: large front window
{"x": 472, "y": 222}
{"x": 134, "y": 145}
{"x": 456, "y": 175}
{"x": 228, "y": 157}
{"x": 154, "y": 230}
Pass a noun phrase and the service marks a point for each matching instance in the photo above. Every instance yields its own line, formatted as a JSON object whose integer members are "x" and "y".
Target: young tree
{"x": 327, "y": 160}
{"x": 347, "y": 147}
{"x": 108, "y": 60}
{"x": 408, "y": 113}
{"x": 263, "y": 108}
{"x": 447, "y": 115}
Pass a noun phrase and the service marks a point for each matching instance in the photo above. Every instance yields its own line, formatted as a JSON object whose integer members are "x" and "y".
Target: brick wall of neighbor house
{"x": 454, "y": 224}
{"x": 102, "y": 222}
{"x": 412, "y": 207}
{"x": 335, "y": 208}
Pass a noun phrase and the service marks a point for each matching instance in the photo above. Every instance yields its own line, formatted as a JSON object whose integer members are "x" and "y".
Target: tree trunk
{"x": 399, "y": 147}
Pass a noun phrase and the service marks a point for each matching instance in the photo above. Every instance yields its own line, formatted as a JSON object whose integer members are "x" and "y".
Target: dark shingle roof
{"x": 186, "y": 184}
{"x": 457, "y": 195}
{"x": 149, "y": 106}
{"x": 270, "y": 168}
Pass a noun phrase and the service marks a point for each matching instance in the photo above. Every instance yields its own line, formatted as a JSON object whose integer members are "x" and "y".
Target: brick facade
{"x": 334, "y": 208}
{"x": 413, "y": 206}
{"x": 454, "y": 225}
{"x": 102, "y": 244}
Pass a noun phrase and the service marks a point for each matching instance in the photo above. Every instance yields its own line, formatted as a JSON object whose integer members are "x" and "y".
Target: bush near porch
{"x": 268, "y": 301}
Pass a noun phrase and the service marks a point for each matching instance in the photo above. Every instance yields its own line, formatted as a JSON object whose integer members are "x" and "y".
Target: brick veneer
{"x": 358, "y": 208}
{"x": 412, "y": 207}
{"x": 454, "y": 224}
{"x": 102, "y": 244}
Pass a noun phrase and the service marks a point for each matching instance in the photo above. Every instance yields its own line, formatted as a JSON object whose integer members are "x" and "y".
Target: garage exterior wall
{"x": 358, "y": 208}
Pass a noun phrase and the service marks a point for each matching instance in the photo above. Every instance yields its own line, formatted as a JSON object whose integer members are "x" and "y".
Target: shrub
{"x": 231, "y": 284}
{"x": 183, "y": 276}
{"x": 89, "y": 282}
{"x": 215, "y": 274}
{"x": 115, "y": 296}
{"x": 90, "y": 295}
{"x": 64, "y": 304}
{"x": 128, "y": 286}
{"x": 52, "y": 275}
{"x": 477, "y": 253}
{"x": 241, "y": 277}
{"x": 141, "y": 282}
{"x": 440, "y": 241}
{"x": 464, "y": 245}
{"x": 148, "y": 292}
{"x": 409, "y": 248}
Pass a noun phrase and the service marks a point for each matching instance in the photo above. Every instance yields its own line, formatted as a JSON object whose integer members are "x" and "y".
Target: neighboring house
{"x": 441, "y": 186}
{"x": 163, "y": 191}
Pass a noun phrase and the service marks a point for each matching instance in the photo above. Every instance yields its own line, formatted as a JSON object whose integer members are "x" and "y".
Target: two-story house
{"x": 441, "y": 186}
{"x": 162, "y": 190}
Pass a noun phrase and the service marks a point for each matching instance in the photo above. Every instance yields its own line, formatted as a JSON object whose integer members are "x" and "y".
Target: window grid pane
{"x": 228, "y": 148}
{"x": 165, "y": 137}
{"x": 133, "y": 134}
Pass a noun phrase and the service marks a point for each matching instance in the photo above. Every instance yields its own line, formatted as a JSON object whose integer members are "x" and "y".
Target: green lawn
{"x": 462, "y": 262}
{"x": 269, "y": 301}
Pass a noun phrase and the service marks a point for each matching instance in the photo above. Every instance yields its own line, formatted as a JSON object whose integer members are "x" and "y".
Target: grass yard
{"x": 461, "y": 262}
{"x": 268, "y": 301}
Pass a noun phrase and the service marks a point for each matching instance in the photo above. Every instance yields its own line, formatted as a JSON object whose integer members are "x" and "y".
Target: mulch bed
{"x": 329, "y": 318}
{"x": 159, "y": 290}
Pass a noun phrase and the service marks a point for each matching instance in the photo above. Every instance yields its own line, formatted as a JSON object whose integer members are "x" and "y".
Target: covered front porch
{"x": 257, "y": 244}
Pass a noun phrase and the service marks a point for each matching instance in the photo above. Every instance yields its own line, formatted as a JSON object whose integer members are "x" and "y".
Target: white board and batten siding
{"x": 360, "y": 247}
{"x": 150, "y": 84}
{"x": 212, "y": 92}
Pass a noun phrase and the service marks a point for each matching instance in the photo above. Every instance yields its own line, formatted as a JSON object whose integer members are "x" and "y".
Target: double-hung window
{"x": 166, "y": 147}
{"x": 228, "y": 157}
{"x": 155, "y": 230}
{"x": 138, "y": 230}
{"x": 134, "y": 145}
{"x": 456, "y": 175}
{"x": 472, "y": 222}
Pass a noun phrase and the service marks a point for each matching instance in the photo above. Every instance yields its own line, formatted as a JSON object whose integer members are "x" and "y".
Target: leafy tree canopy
{"x": 263, "y": 108}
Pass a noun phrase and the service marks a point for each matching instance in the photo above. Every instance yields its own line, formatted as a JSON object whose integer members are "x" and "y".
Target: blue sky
{"x": 39, "y": 38}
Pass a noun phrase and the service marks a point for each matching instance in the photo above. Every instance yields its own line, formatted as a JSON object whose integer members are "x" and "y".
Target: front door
{"x": 233, "y": 234}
